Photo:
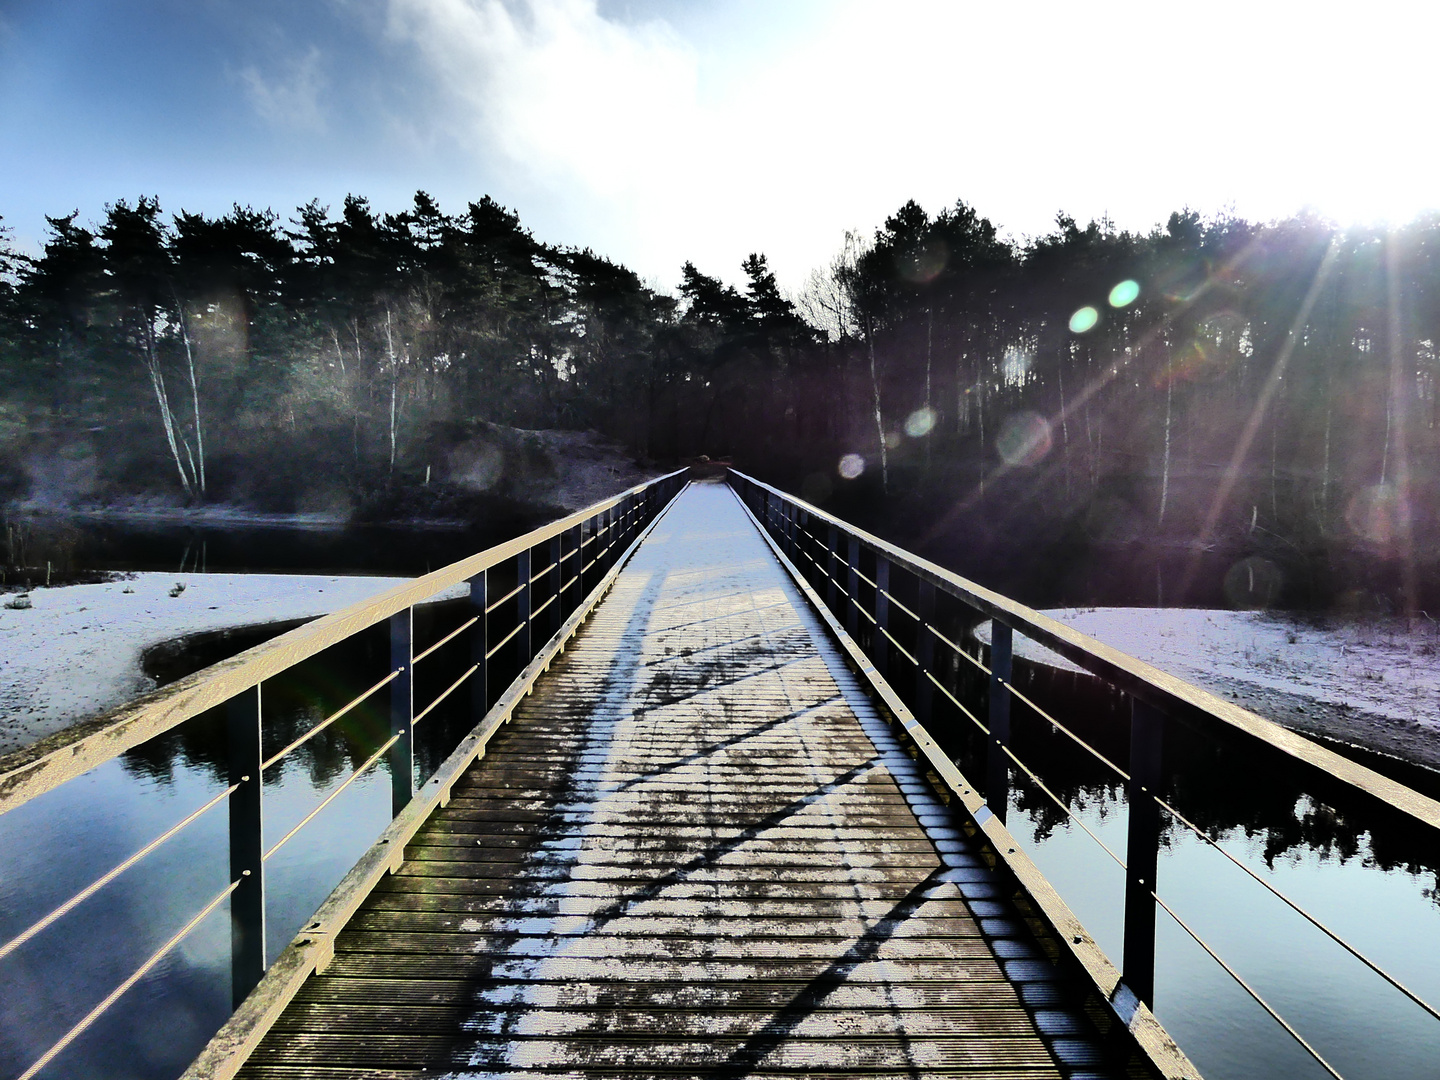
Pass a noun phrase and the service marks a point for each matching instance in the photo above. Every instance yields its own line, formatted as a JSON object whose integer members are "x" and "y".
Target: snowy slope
{"x": 76, "y": 652}
{"x": 1375, "y": 682}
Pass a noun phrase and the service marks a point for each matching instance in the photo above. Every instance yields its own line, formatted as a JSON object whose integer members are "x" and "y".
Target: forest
{"x": 1264, "y": 391}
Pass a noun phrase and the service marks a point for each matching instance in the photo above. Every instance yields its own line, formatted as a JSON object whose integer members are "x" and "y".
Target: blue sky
{"x": 656, "y": 132}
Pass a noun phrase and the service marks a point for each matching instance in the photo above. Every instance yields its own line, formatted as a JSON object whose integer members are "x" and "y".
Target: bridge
{"x": 728, "y": 797}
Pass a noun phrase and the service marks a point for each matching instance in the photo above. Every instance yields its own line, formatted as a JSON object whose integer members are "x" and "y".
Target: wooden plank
{"x": 668, "y": 865}
{"x": 1161, "y": 1053}
{"x": 313, "y": 947}
{"x": 827, "y": 1051}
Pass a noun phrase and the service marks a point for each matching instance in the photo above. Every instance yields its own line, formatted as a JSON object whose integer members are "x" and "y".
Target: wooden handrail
{"x": 49, "y": 762}
{"x": 1135, "y": 677}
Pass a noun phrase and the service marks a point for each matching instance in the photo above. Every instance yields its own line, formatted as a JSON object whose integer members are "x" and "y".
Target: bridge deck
{"x": 695, "y": 850}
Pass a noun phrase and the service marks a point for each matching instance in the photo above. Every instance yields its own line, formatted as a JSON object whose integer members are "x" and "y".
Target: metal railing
{"x": 519, "y": 593}
{"x": 886, "y": 599}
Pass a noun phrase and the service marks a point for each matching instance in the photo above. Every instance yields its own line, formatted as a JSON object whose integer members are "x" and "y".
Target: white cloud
{"x": 667, "y": 148}
{"x": 289, "y": 98}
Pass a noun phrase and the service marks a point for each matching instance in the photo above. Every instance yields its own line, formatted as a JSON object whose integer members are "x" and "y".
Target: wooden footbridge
{"x": 702, "y": 831}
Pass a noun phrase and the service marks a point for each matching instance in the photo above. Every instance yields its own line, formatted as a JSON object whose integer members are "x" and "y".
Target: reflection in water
{"x": 1365, "y": 871}
{"x": 58, "y": 843}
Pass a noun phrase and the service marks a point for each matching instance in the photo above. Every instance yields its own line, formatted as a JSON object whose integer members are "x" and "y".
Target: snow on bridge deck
{"x": 695, "y": 850}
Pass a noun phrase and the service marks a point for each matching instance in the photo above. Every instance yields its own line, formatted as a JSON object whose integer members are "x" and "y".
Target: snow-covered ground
{"x": 76, "y": 652}
{"x": 1373, "y": 682}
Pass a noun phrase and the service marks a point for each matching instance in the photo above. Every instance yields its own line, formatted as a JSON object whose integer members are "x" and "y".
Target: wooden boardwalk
{"x": 695, "y": 851}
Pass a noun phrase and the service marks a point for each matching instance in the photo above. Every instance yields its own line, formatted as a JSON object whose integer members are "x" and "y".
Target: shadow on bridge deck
{"x": 695, "y": 850}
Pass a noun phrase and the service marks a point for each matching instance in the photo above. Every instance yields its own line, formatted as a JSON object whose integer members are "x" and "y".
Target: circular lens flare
{"x": 1374, "y": 514}
{"x": 1025, "y": 439}
{"x": 920, "y": 422}
{"x": 851, "y": 466}
{"x": 1253, "y": 582}
{"x": 1124, "y": 293}
{"x": 1084, "y": 319}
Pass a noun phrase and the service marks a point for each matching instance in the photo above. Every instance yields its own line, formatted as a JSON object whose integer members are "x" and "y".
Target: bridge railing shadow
{"x": 520, "y": 599}
{"x": 1137, "y": 739}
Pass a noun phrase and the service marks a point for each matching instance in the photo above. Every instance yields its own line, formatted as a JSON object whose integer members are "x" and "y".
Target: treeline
{"x": 1210, "y": 380}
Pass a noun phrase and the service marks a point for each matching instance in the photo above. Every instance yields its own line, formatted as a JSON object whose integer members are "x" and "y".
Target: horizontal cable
{"x": 327, "y": 722}
{"x": 534, "y": 612}
{"x": 1078, "y": 740}
{"x": 1249, "y": 989}
{"x": 508, "y": 596}
{"x": 899, "y": 606}
{"x": 115, "y": 995}
{"x": 956, "y": 702}
{"x": 506, "y": 639}
{"x": 444, "y": 694}
{"x": 899, "y": 648}
{"x": 1331, "y": 934}
{"x": 957, "y": 649}
{"x": 100, "y": 882}
{"x": 448, "y": 638}
{"x": 1061, "y": 804}
{"x": 863, "y": 611}
{"x": 331, "y": 797}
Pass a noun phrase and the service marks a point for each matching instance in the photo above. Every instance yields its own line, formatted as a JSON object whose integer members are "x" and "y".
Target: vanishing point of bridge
{"x": 704, "y": 829}
{"x": 697, "y": 849}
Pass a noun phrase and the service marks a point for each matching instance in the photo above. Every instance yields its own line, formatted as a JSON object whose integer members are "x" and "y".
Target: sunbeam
{"x": 1232, "y": 471}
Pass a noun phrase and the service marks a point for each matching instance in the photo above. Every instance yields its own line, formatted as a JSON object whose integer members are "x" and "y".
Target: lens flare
{"x": 920, "y": 422}
{"x": 1188, "y": 363}
{"x": 1124, "y": 293}
{"x": 1025, "y": 439}
{"x": 1373, "y": 513}
{"x": 1084, "y": 319}
{"x": 925, "y": 265}
{"x": 851, "y": 466}
{"x": 1253, "y": 583}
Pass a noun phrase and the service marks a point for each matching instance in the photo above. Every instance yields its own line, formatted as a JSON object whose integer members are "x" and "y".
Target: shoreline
{"x": 77, "y": 651}
{"x": 1370, "y": 683}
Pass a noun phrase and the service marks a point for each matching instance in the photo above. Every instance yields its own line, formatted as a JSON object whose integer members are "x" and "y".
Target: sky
{"x": 659, "y": 132}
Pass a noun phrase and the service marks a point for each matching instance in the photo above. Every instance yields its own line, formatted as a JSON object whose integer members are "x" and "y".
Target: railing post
{"x": 402, "y": 710}
{"x": 523, "y": 607}
{"x": 557, "y": 577}
{"x": 880, "y": 646}
{"x": 832, "y": 568}
{"x": 479, "y": 646}
{"x": 924, "y": 653}
{"x": 247, "y": 844}
{"x": 997, "y": 762}
{"x": 1147, "y": 728}
{"x": 571, "y": 553}
{"x": 852, "y": 586}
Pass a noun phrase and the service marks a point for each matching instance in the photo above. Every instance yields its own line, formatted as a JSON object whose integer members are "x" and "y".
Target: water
{"x": 95, "y": 543}
{"x": 58, "y": 843}
{"x": 1369, "y": 876}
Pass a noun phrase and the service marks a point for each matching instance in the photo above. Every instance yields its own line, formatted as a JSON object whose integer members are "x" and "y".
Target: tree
{"x": 139, "y": 278}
